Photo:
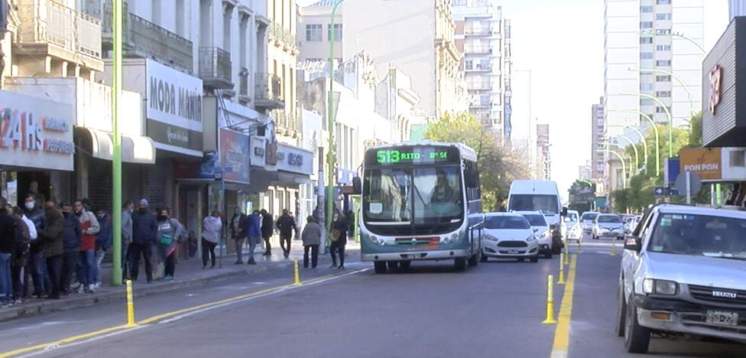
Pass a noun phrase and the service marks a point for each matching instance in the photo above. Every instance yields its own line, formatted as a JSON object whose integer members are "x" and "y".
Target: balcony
{"x": 142, "y": 38}
{"x": 50, "y": 28}
{"x": 215, "y": 67}
{"x": 268, "y": 94}
{"x": 243, "y": 85}
{"x": 479, "y": 32}
{"x": 283, "y": 38}
{"x": 286, "y": 123}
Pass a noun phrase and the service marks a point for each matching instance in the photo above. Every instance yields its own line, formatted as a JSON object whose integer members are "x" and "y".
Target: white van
{"x": 543, "y": 196}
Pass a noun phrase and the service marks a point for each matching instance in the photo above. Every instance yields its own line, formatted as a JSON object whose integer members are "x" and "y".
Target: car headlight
{"x": 489, "y": 237}
{"x": 660, "y": 287}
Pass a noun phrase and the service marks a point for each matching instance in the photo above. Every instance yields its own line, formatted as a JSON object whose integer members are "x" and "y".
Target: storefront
{"x": 36, "y": 148}
{"x": 288, "y": 169}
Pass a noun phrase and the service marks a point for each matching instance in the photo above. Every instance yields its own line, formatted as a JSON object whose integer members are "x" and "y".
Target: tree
{"x": 498, "y": 166}
{"x": 695, "y": 130}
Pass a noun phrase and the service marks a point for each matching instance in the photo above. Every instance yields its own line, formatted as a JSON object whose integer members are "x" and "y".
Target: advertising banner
{"x": 705, "y": 162}
{"x": 235, "y": 163}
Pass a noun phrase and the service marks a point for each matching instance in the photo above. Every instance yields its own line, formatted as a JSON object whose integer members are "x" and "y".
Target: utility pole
{"x": 331, "y": 151}
{"x": 116, "y": 162}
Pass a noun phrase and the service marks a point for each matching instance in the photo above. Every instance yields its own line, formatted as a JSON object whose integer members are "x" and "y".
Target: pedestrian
{"x": 104, "y": 238}
{"x": 350, "y": 215}
{"x": 238, "y": 234}
{"x": 311, "y": 237}
{"x": 170, "y": 232}
{"x": 7, "y": 246}
{"x": 126, "y": 236}
{"x": 53, "y": 238}
{"x": 267, "y": 231}
{"x": 211, "y": 228}
{"x": 89, "y": 227}
{"x": 36, "y": 264}
{"x": 71, "y": 247}
{"x": 338, "y": 241}
{"x": 286, "y": 226}
{"x": 253, "y": 233}
{"x": 144, "y": 232}
{"x": 24, "y": 230}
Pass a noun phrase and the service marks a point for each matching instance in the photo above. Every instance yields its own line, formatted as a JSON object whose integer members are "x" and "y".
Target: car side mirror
{"x": 631, "y": 243}
{"x": 564, "y": 211}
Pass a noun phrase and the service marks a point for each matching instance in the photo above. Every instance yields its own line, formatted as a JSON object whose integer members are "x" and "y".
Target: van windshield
{"x": 546, "y": 204}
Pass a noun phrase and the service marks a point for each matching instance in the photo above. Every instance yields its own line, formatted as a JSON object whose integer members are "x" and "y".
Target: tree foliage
{"x": 498, "y": 165}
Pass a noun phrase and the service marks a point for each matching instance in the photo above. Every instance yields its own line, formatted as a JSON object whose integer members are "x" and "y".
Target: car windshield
{"x": 609, "y": 219}
{"x": 546, "y": 204}
{"x": 506, "y": 222}
{"x": 589, "y": 216}
{"x": 700, "y": 235}
{"x": 536, "y": 219}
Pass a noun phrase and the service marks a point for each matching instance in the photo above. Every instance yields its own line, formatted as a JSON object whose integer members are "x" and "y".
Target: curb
{"x": 49, "y": 306}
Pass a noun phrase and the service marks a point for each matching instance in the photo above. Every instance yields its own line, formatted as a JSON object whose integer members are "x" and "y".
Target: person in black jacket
{"x": 36, "y": 264}
{"x": 24, "y": 226}
{"x": 7, "y": 246}
{"x": 53, "y": 237}
{"x": 338, "y": 241}
{"x": 144, "y": 232}
{"x": 267, "y": 231}
{"x": 71, "y": 247}
{"x": 286, "y": 225}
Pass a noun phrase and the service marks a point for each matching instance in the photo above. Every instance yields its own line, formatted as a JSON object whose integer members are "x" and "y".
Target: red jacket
{"x": 89, "y": 227}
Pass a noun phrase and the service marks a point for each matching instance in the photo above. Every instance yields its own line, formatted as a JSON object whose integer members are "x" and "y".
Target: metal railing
{"x": 48, "y": 22}
{"x": 243, "y": 82}
{"x": 215, "y": 65}
{"x": 146, "y": 39}
{"x": 268, "y": 87}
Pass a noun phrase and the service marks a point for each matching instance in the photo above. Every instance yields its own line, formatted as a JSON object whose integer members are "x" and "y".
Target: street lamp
{"x": 634, "y": 147}
{"x": 116, "y": 157}
{"x": 644, "y": 144}
{"x": 331, "y": 152}
{"x": 657, "y": 139}
{"x": 692, "y": 107}
{"x": 668, "y": 114}
{"x": 624, "y": 167}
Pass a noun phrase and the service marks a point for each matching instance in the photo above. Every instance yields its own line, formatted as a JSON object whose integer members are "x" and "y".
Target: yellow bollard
{"x": 567, "y": 255}
{"x": 296, "y": 273}
{"x": 613, "y": 247}
{"x": 561, "y": 280}
{"x": 130, "y": 305}
{"x": 550, "y": 301}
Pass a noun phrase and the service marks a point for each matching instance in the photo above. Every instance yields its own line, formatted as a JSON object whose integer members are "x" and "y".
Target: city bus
{"x": 420, "y": 201}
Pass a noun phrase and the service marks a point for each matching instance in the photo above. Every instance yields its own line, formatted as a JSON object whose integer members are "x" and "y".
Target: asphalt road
{"x": 495, "y": 309}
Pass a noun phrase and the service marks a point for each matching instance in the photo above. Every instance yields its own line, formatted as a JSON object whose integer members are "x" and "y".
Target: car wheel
{"x": 636, "y": 337}
{"x": 380, "y": 266}
{"x": 535, "y": 259}
{"x": 459, "y": 264}
{"x": 474, "y": 260}
{"x": 621, "y": 312}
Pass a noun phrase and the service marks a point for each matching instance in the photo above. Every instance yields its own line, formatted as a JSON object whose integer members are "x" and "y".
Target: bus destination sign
{"x": 415, "y": 155}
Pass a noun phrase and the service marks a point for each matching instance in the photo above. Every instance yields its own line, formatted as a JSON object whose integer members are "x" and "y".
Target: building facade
{"x": 598, "y": 141}
{"x": 543, "y": 153}
{"x": 314, "y": 33}
{"x": 427, "y": 54}
{"x": 736, "y": 8}
{"x": 483, "y": 36}
{"x": 652, "y": 48}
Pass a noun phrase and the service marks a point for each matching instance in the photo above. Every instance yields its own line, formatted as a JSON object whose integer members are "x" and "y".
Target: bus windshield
{"x": 547, "y": 204}
{"x": 427, "y": 195}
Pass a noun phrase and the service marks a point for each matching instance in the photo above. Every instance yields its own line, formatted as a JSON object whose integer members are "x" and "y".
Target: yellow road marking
{"x": 561, "y": 344}
{"x": 161, "y": 317}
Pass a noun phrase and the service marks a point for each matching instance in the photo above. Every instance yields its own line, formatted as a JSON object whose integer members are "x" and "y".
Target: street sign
{"x": 660, "y": 191}
{"x": 671, "y": 171}
{"x": 688, "y": 189}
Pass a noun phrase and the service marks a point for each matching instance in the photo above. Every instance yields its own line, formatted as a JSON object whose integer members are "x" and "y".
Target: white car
{"x": 541, "y": 230}
{"x": 573, "y": 230}
{"x": 508, "y": 235}
{"x": 587, "y": 220}
{"x": 608, "y": 225}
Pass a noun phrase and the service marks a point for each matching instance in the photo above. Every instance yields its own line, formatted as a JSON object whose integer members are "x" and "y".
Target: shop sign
{"x": 716, "y": 75}
{"x": 234, "y": 161}
{"x": 35, "y": 133}
{"x": 705, "y": 162}
{"x": 258, "y": 151}
{"x": 294, "y": 160}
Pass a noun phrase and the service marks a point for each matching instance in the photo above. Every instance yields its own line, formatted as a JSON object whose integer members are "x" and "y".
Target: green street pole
{"x": 116, "y": 163}
{"x": 331, "y": 151}
{"x": 644, "y": 145}
{"x": 634, "y": 147}
{"x": 670, "y": 121}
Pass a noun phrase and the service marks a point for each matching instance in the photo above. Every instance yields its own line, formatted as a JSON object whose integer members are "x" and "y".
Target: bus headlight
{"x": 449, "y": 239}
{"x": 374, "y": 239}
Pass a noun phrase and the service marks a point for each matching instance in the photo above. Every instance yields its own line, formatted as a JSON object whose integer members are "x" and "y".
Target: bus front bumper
{"x": 416, "y": 255}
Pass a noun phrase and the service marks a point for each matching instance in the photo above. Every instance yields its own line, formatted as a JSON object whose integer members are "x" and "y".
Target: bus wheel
{"x": 459, "y": 264}
{"x": 405, "y": 265}
{"x": 393, "y": 266}
{"x": 380, "y": 266}
{"x": 474, "y": 259}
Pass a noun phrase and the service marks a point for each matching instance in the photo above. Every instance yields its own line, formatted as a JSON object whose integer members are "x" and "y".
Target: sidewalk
{"x": 189, "y": 274}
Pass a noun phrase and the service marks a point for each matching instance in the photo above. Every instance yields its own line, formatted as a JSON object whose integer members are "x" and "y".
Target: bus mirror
{"x": 564, "y": 211}
{"x": 356, "y": 185}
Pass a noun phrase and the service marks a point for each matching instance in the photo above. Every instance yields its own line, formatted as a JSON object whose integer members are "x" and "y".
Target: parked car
{"x": 541, "y": 230}
{"x": 508, "y": 235}
{"x": 683, "y": 272}
{"x": 608, "y": 225}
{"x": 587, "y": 220}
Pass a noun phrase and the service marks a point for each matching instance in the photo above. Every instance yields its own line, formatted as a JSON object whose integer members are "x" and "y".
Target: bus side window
{"x": 471, "y": 181}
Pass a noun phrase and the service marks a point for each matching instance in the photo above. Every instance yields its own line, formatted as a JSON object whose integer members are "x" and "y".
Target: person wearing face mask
{"x": 36, "y": 264}
{"x": 89, "y": 227}
{"x": 144, "y": 233}
{"x": 71, "y": 247}
{"x": 170, "y": 232}
{"x": 52, "y": 236}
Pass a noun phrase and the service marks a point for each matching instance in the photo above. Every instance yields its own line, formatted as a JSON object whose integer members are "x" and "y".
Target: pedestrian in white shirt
{"x": 211, "y": 228}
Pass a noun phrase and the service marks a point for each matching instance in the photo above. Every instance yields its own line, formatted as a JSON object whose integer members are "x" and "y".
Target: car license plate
{"x": 722, "y": 318}
{"x": 514, "y": 251}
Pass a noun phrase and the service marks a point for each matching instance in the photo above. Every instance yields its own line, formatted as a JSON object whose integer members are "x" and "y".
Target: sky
{"x": 561, "y": 43}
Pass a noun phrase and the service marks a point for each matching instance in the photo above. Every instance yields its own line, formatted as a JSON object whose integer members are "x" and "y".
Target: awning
{"x": 135, "y": 149}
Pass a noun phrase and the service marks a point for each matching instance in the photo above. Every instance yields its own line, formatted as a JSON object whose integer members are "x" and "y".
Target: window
{"x": 665, "y": 16}
{"x": 662, "y": 109}
{"x": 663, "y": 2}
{"x": 337, "y": 32}
{"x": 646, "y": 55}
{"x": 646, "y": 24}
{"x": 662, "y": 31}
{"x": 663, "y": 63}
{"x": 663, "y": 47}
{"x": 738, "y": 158}
{"x": 646, "y": 86}
{"x": 663, "y": 93}
{"x": 665, "y": 78}
{"x": 646, "y": 9}
{"x": 646, "y": 40}
{"x": 313, "y": 32}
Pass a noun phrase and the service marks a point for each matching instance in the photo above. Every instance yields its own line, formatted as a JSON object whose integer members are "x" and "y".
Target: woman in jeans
{"x": 339, "y": 241}
{"x": 211, "y": 228}
{"x": 311, "y": 236}
{"x": 169, "y": 232}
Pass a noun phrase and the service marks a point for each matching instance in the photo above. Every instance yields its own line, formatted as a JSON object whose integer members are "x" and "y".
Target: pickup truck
{"x": 683, "y": 271}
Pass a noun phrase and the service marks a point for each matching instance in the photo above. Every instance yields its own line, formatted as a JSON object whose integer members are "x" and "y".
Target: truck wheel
{"x": 393, "y": 266}
{"x": 621, "y": 312}
{"x": 380, "y": 266}
{"x": 474, "y": 260}
{"x": 405, "y": 265}
{"x": 636, "y": 337}
{"x": 459, "y": 264}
